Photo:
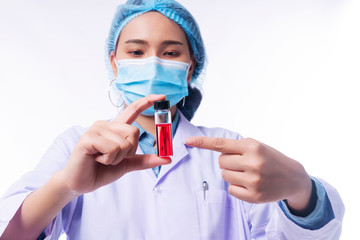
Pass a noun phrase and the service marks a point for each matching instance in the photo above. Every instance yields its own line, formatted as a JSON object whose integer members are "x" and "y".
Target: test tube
{"x": 163, "y": 128}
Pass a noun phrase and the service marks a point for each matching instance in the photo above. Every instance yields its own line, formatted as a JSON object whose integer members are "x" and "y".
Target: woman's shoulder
{"x": 219, "y": 132}
{"x": 68, "y": 139}
{"x": 74, "y": 132}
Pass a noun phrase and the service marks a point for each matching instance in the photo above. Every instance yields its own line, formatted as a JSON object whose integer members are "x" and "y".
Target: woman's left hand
{"x": 258, "y": 173}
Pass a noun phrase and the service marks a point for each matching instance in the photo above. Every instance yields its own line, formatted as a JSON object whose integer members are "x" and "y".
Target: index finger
{"x": 131, "y": 112}
{"x": 223, "y": 145}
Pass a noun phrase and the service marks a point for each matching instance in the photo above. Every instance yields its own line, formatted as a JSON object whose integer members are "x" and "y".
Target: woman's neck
{"x": 148, "y": 122}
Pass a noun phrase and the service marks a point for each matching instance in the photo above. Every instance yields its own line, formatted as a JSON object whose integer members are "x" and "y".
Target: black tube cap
{"x": 159, "y": 105}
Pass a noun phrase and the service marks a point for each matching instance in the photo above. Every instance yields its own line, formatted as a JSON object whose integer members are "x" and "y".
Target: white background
{"x": 283, "y": 72}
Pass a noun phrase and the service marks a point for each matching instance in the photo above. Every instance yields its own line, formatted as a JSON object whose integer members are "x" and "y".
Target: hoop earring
{"x": 109, "y": 95}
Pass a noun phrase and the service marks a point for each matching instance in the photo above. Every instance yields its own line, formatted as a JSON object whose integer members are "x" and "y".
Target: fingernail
{"x": 189, "y": 141}
{"x": 167, "y": 159}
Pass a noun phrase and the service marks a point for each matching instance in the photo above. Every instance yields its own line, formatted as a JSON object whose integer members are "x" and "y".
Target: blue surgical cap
{"x": 176, "y": 12}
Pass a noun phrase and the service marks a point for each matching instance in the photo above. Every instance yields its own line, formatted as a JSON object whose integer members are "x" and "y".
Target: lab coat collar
{"x": 184, "y": 130}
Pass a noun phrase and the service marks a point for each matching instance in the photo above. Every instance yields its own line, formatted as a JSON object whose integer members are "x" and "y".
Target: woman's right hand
{"x": 103, "y": 154}
{"x": 107, "y": 151}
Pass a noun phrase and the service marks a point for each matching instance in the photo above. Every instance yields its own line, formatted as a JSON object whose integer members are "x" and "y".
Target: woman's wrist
{"x": 39, "y": 209}
{"x": 59, "y": 183}
{"x": 301, "y": 199}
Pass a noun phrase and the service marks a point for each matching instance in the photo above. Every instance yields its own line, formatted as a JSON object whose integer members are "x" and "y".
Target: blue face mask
{"x": 137, "y": 78}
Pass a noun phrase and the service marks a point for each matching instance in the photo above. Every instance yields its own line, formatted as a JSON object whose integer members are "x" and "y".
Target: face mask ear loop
{"x": 187, "y": 74}
{"x": 188, "y": 70}
{"x": 109, "y": 95}
{"x": 183, "y": 102}
{"x": 117, "y": 63}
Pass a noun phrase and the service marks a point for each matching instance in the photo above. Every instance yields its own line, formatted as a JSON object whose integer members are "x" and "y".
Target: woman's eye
{"x": 171, "y": 54}
{"x": 136, "y": 52}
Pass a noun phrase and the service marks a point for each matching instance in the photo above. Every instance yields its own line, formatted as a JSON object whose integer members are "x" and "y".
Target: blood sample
{"x": 163, "y": 129}
{"x": 164, "y": 140}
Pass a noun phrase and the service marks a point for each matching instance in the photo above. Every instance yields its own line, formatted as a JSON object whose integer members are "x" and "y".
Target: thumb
{"x": 144, "y": 161}
{"x": 110, "y": 173}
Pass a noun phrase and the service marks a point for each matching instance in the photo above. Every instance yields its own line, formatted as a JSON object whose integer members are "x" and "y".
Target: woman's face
{"x": 152, "y": 34}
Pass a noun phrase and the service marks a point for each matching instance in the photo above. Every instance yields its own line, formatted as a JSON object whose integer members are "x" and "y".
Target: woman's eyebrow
{"x": 137, "y": 41}
{"x": 171, "y": 42}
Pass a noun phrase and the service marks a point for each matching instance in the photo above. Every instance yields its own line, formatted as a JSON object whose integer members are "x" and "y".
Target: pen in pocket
{"x": 205, "y": 186}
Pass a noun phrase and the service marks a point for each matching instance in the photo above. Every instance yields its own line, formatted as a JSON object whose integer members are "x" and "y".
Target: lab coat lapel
{"x": 185, "y": 129}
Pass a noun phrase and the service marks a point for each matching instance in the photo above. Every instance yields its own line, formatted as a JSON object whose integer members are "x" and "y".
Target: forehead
{"x": 152, "y": 26}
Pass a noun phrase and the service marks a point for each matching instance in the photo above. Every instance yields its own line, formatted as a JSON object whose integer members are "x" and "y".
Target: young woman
{"x": 105, "y": 182}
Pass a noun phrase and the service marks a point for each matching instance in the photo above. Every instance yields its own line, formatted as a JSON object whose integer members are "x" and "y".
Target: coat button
{"x": 157, "y": 190}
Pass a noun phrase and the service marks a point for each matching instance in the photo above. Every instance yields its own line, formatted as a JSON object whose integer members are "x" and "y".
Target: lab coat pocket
{"x": 216, "y": 212}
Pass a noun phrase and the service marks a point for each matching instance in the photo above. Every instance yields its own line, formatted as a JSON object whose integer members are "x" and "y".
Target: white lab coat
{"x": 172, "y": 206}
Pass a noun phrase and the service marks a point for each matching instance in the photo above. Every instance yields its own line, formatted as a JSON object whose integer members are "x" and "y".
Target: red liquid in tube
{"x": 163, "y": 128}
{"x": 164, "y": 140}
